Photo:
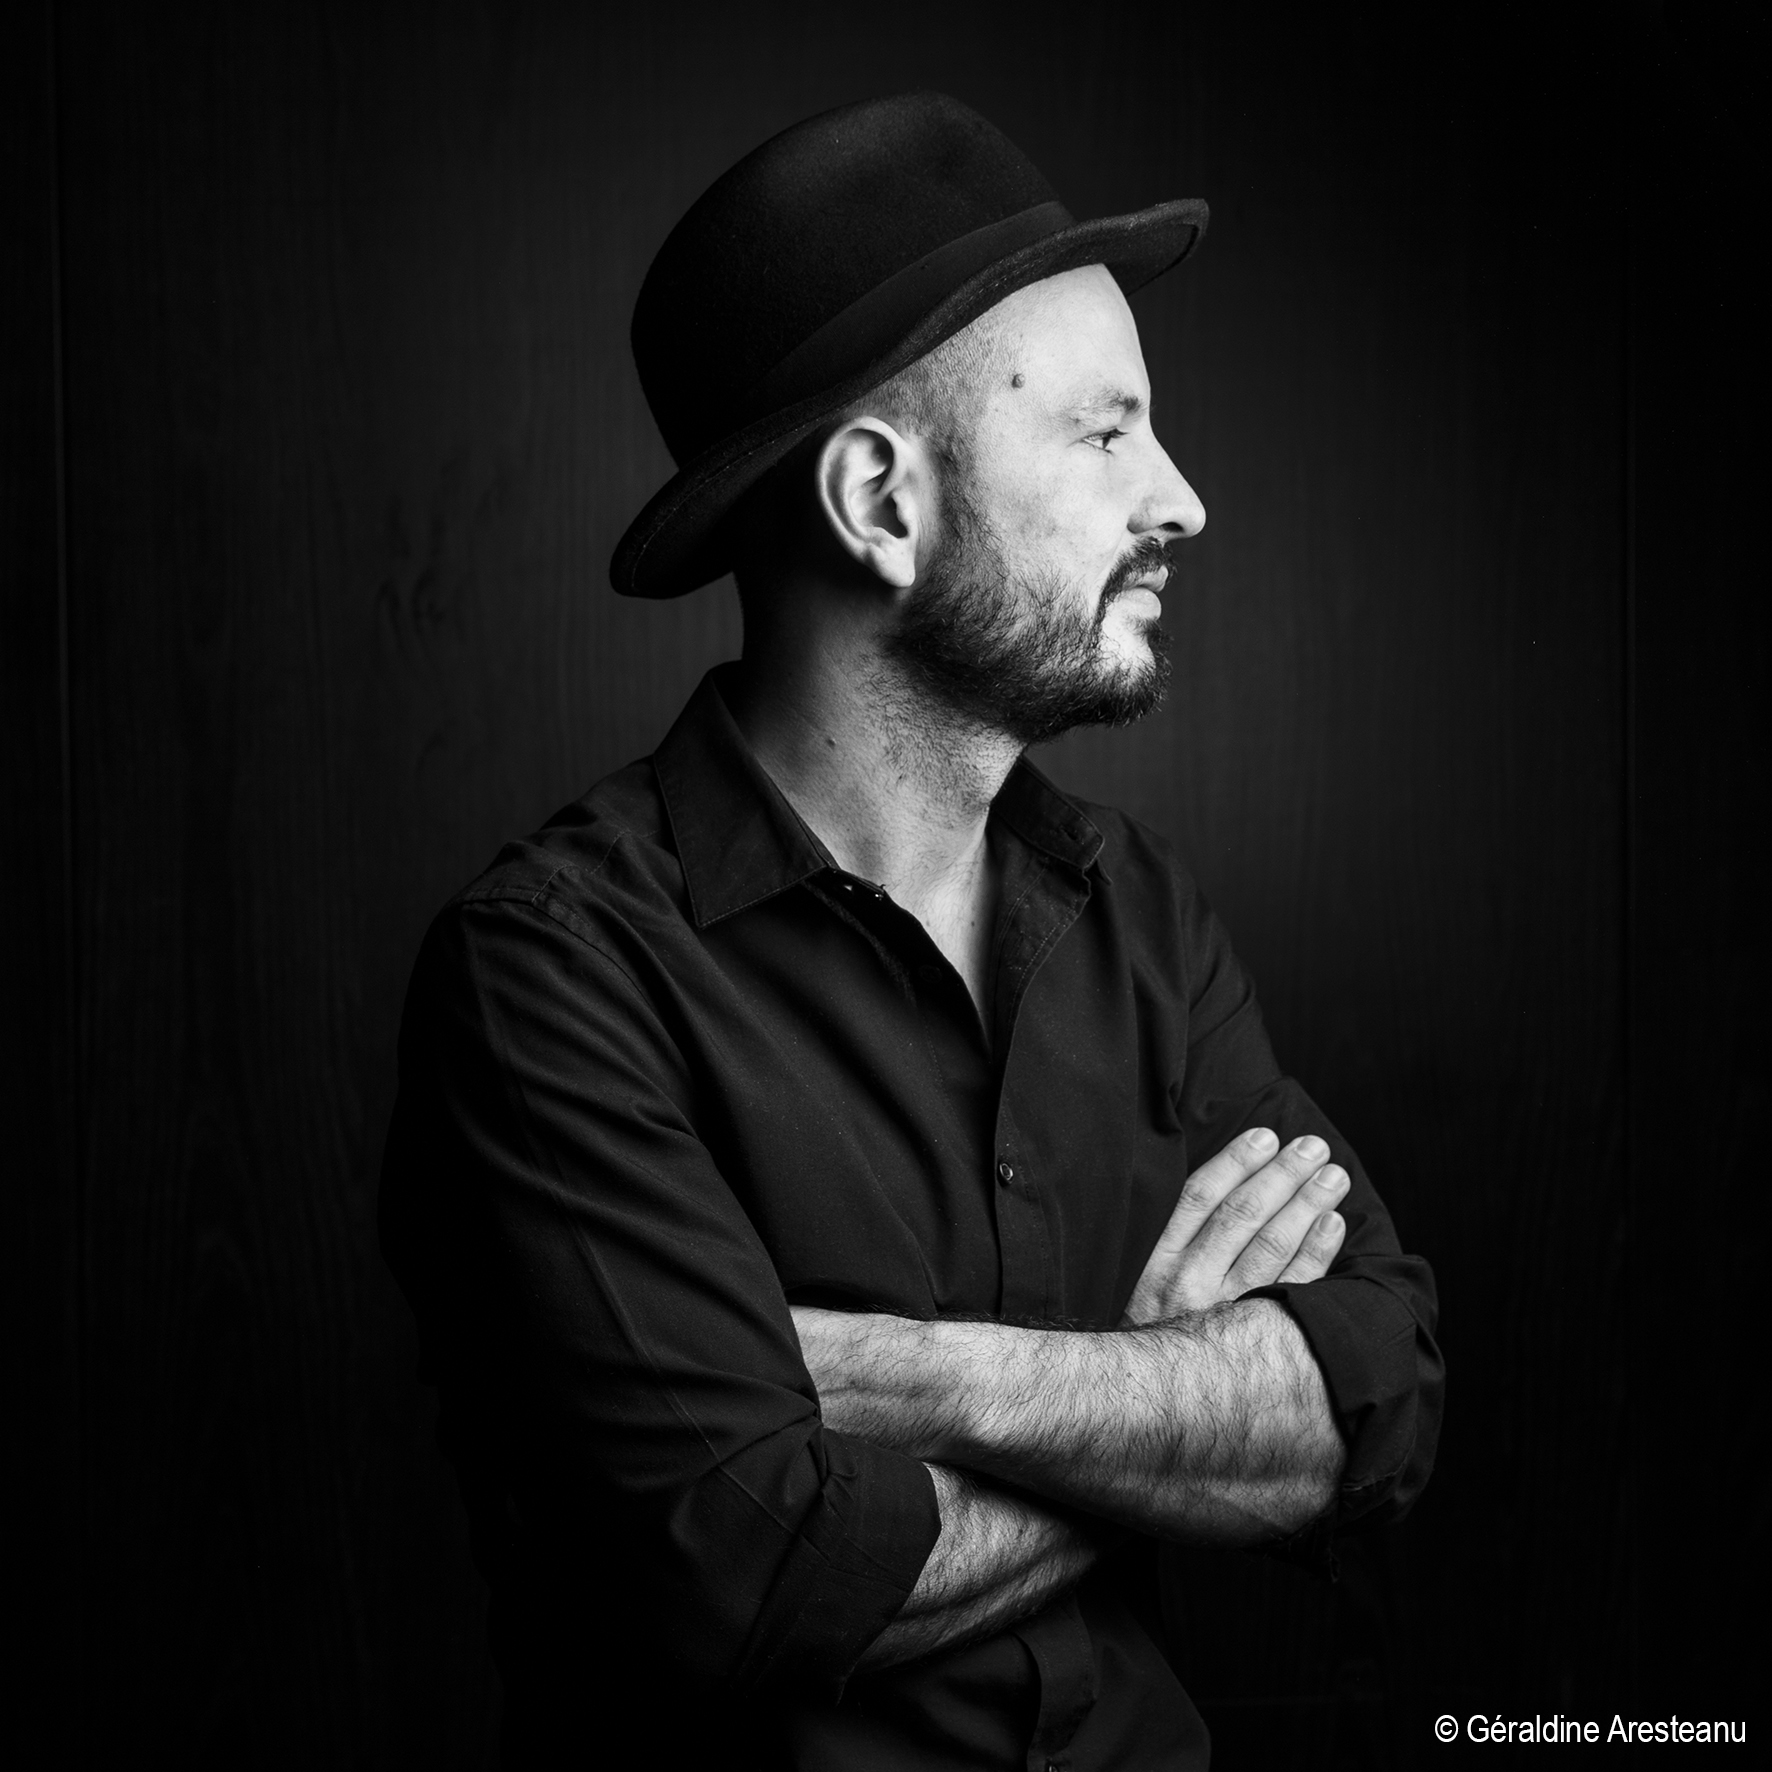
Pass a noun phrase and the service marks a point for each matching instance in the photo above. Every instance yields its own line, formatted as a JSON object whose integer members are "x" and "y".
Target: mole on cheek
{"x": 1018, "y": 380}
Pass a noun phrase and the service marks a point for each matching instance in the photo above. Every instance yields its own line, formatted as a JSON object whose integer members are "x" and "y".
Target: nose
{"x": 1170, "y": 505}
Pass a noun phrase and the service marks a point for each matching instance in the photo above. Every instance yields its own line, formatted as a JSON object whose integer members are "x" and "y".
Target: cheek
{"x": 1031, "y": 510}
{"x": 1053, "y": 513}
{"x": 1049, "y": 520}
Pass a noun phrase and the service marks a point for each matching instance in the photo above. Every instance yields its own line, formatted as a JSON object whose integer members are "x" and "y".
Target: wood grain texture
{"x": 39, "y": 1281}
{"x": 351, "y": 432}
{"x": 1700, "y": 1056}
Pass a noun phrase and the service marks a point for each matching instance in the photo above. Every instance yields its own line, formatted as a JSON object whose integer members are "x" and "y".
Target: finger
{"x": 1207, "y": 1186}
{"x": 1316, "y": 1254}
{"x": 1247, "y": 1207}
{"x": 1266, "y": 1255}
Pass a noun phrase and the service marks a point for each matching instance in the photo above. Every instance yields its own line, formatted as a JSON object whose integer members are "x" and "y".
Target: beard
{"x": 1018, "y": 654}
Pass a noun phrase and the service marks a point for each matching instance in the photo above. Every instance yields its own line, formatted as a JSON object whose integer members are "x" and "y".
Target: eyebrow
{"x": 1107, "y": 399}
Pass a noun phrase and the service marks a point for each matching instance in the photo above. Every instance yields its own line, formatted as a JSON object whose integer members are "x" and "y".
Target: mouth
{"x": 1150, "y": 583}
{"x": 1145, "y": 570}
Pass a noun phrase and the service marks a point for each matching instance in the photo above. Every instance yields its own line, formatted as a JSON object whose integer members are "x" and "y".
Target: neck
{"x": 896, "y": 787}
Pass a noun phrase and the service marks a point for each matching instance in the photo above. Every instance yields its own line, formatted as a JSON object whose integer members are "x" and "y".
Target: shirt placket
{"x": 1040, "y": 905}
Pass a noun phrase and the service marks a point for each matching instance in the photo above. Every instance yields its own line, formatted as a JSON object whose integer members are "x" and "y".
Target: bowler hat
{"x": 820, "y": 265}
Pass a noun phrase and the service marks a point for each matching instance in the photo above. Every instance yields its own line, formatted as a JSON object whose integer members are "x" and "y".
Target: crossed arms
{"x": 607, "y": 1317}
{"x": 1205, "y": 1417}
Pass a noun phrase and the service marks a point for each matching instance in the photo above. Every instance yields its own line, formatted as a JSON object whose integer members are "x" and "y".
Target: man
{"x": 788, "y": 1174}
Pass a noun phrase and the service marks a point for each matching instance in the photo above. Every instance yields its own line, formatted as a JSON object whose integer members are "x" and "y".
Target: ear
{"x": 875, "y": 491}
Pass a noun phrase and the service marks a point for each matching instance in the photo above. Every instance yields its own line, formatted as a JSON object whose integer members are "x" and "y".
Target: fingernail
{"x": 1311, "y": 1148}
{"x": 1262, "y": 1140}
{"x": 1329, "y": 1223}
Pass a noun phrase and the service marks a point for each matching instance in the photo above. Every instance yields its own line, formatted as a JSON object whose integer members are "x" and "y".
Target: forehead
{"x": 1070, "y": 333}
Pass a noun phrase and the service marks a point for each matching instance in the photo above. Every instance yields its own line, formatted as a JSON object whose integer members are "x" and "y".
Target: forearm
{"x": 1213, "y": 1427}
{"x": 1000, "y": 1558}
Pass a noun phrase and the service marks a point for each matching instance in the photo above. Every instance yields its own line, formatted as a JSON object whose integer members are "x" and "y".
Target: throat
{"x": 960, "y": 915}
{"x": 894, "y": 794}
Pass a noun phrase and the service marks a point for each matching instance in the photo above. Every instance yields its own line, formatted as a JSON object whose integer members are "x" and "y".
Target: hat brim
{"x": 676, "y": 544}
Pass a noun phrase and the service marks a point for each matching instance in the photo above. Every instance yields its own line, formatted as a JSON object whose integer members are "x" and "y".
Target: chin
{"x": 1131, "y": 643}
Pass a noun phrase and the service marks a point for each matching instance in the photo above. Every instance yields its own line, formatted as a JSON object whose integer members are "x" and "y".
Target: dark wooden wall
{"x": 319, "y": 429}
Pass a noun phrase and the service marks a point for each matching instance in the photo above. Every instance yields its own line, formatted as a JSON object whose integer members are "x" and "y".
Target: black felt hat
{"x": 824, "y": 262}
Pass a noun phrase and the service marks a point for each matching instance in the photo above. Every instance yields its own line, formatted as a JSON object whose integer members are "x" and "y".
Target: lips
{"x": 1153, "y": 582}
{"x": 1146, "y": 568}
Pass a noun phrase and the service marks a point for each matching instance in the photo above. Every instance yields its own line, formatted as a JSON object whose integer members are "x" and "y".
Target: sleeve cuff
{"x": 1385, "y": 1396}
{"x": 850, "y": 1571}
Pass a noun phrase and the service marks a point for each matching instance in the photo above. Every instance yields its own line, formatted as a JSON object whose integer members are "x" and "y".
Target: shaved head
{"x": 939, "y": 398}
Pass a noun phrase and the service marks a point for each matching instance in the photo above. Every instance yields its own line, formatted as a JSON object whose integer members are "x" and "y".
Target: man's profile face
{"x": 1039, "y": 611}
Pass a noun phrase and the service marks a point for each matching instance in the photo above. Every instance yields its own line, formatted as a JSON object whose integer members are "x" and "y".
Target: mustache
{"x": 1144, "y": 558}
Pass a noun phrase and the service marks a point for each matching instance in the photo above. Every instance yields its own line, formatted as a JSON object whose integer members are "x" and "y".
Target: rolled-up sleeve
{"x": 616, "y": 1356}
{"x": 1370, "y": 1320}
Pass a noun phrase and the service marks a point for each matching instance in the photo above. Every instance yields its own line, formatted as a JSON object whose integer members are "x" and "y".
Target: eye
{"x": 1102, "y": 439}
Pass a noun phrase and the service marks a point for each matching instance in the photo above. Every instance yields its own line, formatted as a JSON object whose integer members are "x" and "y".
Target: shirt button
{"x": 1005, "y": 1173}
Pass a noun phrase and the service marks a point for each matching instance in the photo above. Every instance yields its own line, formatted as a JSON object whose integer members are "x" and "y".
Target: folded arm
{"x": 1213, "y": 1429}
{"x": 1000, "y": 1558}
{"x": 1206, "y": 1418}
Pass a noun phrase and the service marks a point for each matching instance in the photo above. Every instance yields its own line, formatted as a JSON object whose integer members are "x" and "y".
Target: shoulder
{"x": 568, "y": 940}
{"x": 600, "y": 868}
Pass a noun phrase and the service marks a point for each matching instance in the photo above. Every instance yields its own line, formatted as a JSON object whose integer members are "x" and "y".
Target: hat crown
{"x": 797, "y": 232}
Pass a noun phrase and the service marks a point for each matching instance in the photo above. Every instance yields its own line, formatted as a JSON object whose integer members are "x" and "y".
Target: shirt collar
{"x": 741, "y": 842}
{"x": 1045, "y": 816}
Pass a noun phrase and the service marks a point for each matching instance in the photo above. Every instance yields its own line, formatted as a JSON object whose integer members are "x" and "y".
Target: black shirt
{"x": 665, "y": 1070}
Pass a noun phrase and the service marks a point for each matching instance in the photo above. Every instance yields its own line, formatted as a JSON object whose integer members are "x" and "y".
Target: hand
{"x": 1250, "y": 1216}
